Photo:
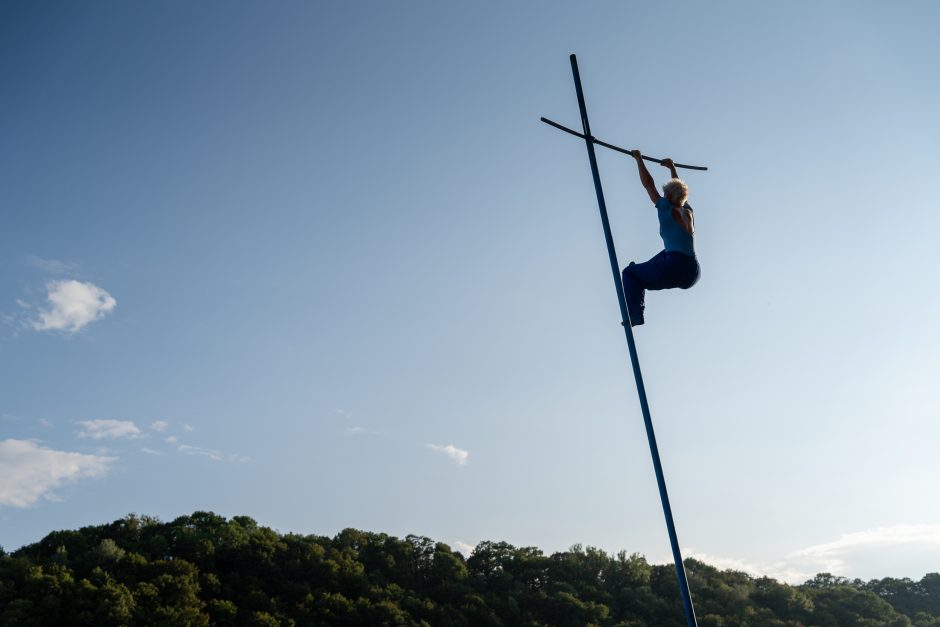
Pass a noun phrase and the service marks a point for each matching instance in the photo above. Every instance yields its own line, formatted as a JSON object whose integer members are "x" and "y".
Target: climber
{"x": 676, "y": 265}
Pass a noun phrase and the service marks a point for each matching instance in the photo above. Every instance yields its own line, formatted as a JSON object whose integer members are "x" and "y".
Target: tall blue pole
{"x": 628, "y": 330}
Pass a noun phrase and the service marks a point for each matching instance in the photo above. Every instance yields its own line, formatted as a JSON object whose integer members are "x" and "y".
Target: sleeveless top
{"x": 675, "y": 239}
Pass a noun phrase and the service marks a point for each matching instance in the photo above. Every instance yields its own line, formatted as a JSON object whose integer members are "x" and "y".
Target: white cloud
{"x": 171, "y": 439}
{"x": 73, "y": 305}
{"x": 150, "y": 451}
{"x": 781, "y": 570}
{"x": 52, "y": 266}
{"x": 159, "y": 425}
{"x": 109, "y": 429}
{"x": 354, "y": 430}
{"x": 464, "y": 548}
{"x": 213, "y": 454}
{"x": 832, "y": 556}
{"x": 187, "y": 429}
{"x": 458, "y": 455}
{"x": 723, "y": 563}
{"x": 198, "y": 450}
{"x": 846, "y": 556}
{"x": 29, "y": 472}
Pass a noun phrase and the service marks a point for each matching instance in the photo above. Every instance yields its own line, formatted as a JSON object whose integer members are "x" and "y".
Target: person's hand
{"x": 667, "y": 163}
{"x": 636, "y": 154}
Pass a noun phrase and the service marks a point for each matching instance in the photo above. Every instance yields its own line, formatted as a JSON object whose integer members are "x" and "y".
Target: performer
{"x": 676, "y": 265}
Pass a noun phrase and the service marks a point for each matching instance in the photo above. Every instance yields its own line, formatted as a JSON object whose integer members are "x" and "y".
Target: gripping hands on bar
{"x": 617, "y": 148}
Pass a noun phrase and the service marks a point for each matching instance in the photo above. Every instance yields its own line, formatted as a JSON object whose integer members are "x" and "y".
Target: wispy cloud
{"x": 52, "y": 266}
{"x": 198, "y": 450}
{"x": 361, "y": 431}
{"x": 159, "y": 425}
{"x": 42, "y": 422}
{"x": 187, "y": 429}
{"x": 834, "y": 557}
{"x": 150, "y": 451}
{"x": 109, "y": 429}
{"x": 458, "y": 455}
{"x": 29, "y": 472}
{"x": 213, "y": 454}
{"x": 72, "y": 306}
{"x": 781, "y": 570}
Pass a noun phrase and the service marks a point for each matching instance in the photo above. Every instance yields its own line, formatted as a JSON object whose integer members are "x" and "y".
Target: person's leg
{"x": 662, "y": 272}
{"x": 633, "y": 293}
{"x": 692, "y": 273}
{"x": 639, "y": 277}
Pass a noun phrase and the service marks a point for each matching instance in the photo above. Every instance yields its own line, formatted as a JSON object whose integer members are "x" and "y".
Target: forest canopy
{"x": 205, "y": 569}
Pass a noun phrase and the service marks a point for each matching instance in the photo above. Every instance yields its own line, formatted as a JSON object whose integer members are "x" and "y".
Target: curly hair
{"x": 676, "y": 192}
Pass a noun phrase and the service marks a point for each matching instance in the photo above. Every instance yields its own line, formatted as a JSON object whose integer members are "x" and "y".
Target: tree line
{"x": 205, "y": 569}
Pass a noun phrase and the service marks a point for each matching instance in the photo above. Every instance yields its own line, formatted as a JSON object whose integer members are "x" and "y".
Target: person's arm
{"x": 645, "y": 177}
{"x": 668, "y": 163}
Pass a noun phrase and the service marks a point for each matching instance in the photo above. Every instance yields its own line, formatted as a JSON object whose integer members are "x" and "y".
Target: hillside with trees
{"x": 205, "y": 569}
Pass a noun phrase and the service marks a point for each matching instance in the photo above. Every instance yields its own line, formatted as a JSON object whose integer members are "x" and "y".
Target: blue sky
{"x": 320, "y": 264}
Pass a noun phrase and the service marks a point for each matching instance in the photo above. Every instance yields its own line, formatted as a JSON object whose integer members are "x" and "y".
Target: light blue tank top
{"x": 674, "y": 236}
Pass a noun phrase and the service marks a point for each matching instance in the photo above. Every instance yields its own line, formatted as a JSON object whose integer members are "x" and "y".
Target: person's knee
{"x": 630, "y": 284}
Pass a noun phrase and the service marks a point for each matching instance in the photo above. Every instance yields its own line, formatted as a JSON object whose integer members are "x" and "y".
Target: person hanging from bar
{"x": 676, "y": 265}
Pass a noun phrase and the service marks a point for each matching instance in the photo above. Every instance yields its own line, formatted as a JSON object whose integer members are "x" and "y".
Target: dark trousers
{"x": 666, "y": 270}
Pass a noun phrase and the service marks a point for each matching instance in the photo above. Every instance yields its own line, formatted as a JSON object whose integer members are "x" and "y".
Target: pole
{"x": 617, "y": 148}
{"x": 628, "y": 330}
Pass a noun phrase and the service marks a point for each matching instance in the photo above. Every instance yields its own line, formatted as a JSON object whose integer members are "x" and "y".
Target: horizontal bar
{"x": 617, "y": 148}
